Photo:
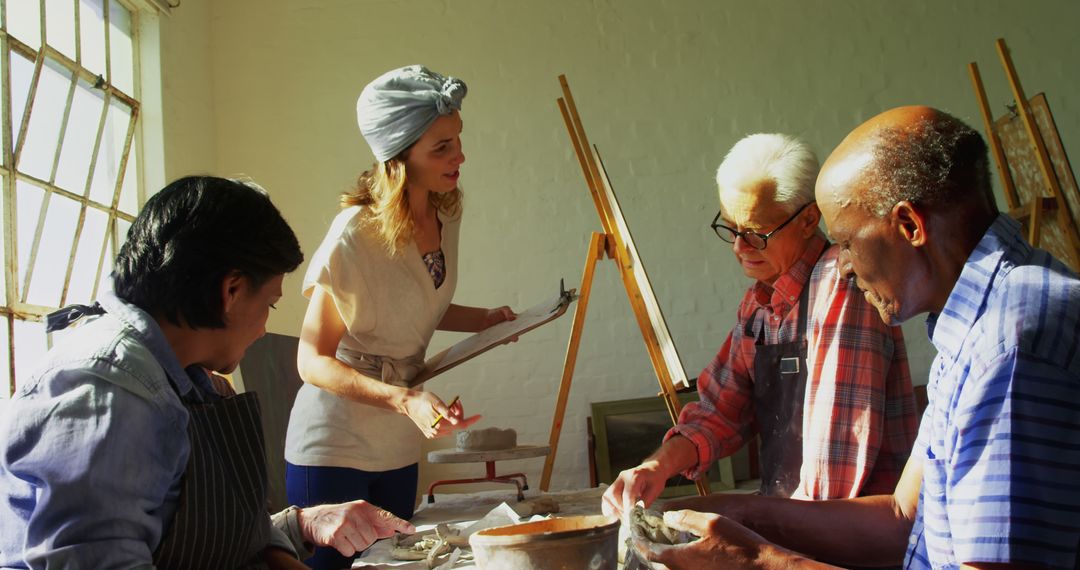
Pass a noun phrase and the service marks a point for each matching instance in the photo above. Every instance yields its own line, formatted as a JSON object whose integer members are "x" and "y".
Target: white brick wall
{"x": 665, "y": 87}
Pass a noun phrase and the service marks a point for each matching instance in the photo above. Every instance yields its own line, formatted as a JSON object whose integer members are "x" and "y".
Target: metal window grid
{"x": 15, "y": 306}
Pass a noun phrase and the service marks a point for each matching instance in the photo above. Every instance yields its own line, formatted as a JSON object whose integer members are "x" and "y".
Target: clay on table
{"x": 486, "y": 439}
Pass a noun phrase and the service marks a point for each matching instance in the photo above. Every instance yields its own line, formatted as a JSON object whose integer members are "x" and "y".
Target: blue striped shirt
{"x": 1000, "y": 440}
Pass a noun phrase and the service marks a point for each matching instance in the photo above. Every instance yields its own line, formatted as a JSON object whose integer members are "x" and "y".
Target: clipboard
{"x": 483, "y": 341}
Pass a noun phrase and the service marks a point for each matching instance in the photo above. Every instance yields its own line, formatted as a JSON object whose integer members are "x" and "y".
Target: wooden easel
{"x": 1043, "y": 207}
{"x": 616, "y": 243}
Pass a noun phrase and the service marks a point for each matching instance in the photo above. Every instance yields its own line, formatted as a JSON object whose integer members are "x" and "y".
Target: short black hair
{"x": 190, "y": 236}
{"x": 937, "y": 161}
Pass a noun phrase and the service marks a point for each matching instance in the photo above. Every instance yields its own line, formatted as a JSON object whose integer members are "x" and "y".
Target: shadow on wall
{"x": 269, "y": 368}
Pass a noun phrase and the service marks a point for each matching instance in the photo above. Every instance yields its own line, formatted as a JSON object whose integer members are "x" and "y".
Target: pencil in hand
{"x": 439, "y": 417}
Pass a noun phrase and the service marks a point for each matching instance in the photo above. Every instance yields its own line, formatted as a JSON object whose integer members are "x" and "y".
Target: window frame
{"x": 13, "y": 305}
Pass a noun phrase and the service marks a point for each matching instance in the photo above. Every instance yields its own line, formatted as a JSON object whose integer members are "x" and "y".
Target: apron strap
{"x": 804, "y": 309}
{"x": 780, "y": 377}
{"x": 64, "y": 318}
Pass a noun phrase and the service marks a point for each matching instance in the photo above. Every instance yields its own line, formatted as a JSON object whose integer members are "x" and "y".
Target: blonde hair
{"x": 382, "y": 190}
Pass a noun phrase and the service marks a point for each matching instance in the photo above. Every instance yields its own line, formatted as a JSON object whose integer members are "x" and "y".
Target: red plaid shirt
{"x": 859, "y": 419}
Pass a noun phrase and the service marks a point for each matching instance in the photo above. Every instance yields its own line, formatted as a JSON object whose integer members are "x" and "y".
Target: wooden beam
{"x": 992, "y": 138}
{"x": 1023, "y": 212}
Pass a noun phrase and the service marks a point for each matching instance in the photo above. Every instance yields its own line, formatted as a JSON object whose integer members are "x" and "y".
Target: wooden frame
{"x": 617, "y": 243}
{"x": 627, "y": 431}
{"x": 1061, "y": 210}
{"x": 1035, "y": 173}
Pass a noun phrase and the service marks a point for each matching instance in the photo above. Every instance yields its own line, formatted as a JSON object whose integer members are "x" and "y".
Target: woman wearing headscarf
{"x": 379, "y": 286}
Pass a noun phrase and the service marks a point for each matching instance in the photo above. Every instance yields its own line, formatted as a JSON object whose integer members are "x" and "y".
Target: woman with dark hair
{"x": 380, "y": 284}
{"x": 118, "y": 451}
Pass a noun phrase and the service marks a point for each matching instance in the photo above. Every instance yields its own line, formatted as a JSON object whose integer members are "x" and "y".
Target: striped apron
{"x": 221, "y": 519}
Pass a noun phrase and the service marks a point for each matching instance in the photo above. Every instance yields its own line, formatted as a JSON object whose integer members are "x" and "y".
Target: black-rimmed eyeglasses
{"x": 752, "y": 238}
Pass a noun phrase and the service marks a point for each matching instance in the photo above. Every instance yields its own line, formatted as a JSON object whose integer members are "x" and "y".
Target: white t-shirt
{"x": 390, "y": 308}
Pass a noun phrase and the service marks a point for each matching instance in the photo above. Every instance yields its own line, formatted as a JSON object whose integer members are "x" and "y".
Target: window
{"x": 70, "y": 165}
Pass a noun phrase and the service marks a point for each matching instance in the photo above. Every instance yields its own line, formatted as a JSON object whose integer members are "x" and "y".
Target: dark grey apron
{"x": 779, "y": 392}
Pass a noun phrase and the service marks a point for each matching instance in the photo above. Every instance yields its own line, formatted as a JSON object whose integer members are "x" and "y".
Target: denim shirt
{"x": 94, "y": 445}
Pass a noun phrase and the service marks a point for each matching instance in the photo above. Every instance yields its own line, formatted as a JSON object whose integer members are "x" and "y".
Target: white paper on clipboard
{"x": 527, "y": 320}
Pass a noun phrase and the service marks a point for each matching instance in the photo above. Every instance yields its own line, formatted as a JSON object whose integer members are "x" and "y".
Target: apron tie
{"x": 64, "y": 318}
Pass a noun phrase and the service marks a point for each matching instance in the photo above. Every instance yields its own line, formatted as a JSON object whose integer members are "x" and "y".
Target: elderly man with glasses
{"x": 809, "y": 367}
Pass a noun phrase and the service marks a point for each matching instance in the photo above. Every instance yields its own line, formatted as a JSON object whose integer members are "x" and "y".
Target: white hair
{"x": 782, "y": 159}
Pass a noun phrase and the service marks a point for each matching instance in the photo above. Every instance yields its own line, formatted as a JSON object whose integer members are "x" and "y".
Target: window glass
{"x": 54, "y": 252}
{"x": 92, "y": 35}
{"x": 82, "y": 127}
{"x": 59, "y": 25}
{"x": 87, "y": 257}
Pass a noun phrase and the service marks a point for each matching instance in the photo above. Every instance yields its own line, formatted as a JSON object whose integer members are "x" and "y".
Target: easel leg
{"x": 597, "y": 246}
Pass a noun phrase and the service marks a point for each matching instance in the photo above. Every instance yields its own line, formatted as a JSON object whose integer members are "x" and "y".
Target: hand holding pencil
{"x": 440, "y": 417}
{"x": 433, "y": 417}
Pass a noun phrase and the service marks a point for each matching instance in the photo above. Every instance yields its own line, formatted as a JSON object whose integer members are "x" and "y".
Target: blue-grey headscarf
{"x": 397, "y": 108}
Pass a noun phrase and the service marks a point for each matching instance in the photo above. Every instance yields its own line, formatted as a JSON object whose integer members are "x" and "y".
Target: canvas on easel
{"x": 617, "y": 244}
{"x": 1036, "y": 176}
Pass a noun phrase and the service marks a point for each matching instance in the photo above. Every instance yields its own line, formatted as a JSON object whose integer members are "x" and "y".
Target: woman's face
{"x": 433, "y": 162}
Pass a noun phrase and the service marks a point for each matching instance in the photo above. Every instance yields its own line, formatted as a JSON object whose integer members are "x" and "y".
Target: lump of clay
{"x": 430, "y": 546}
{"x": 645, "y": 526}
{"x": 650, "y": 524}
{"x": 536, "y": 506}
{"x": 486, "y": 439}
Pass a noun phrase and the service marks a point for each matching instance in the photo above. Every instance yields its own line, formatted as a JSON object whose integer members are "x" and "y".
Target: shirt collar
{"x": 147, "y": 331}
{"x": 787, "y": 288}
{"x": 1001, "y": 243}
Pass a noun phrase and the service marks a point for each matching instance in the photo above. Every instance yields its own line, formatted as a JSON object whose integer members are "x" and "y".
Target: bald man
{"x": 992, "y": 481}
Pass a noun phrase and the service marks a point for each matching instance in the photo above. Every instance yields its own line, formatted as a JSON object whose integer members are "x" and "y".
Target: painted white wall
{"x": 188, "y": 120}
{"x": 665, "y": 87}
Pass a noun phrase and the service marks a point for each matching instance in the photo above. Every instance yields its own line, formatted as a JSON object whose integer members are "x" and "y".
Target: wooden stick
{"x": 593, "y": 179}
{"x": 592, "y": 256}
{"x": 1029, "y": 122}
{"x": 992, "y": 138}
{"x": 1023, "y": 211}
{"x": 584, "y": 163}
